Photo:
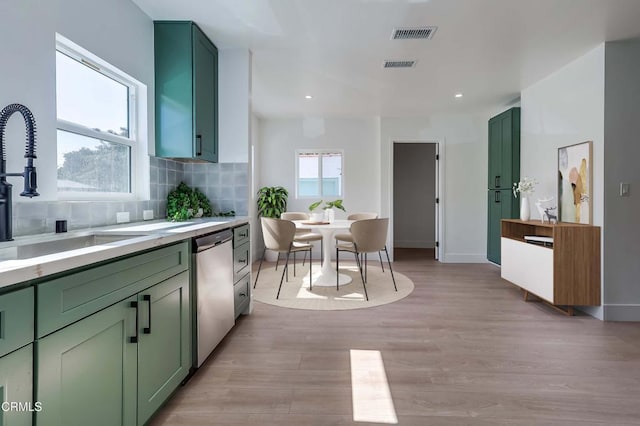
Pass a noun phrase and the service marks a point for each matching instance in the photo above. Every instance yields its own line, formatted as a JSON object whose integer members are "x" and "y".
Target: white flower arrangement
{"x": 525, "y": 187}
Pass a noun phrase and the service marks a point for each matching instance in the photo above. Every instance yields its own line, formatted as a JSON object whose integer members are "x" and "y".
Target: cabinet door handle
{"x": 242, "y": 295}
{"x": 147, "y": 298}
{"x": 134, "y": 339}
{"x": 242, "y": 260}
{"x": 497, "y": 181}
{"x": 497, "y": 197}
{"x": 198, "y": 145}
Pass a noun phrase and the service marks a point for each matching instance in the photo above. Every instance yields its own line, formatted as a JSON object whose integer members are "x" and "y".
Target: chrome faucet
{"x": 29, "y": 173}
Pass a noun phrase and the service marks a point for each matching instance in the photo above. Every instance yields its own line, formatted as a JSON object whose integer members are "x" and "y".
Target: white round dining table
{"x": 327, "y": 275}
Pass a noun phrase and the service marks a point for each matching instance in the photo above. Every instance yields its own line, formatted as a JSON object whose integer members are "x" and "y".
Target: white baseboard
{"x": 627, "y": 312}
{"x": 463, "y": 258}
{"x": 595, "y": 311}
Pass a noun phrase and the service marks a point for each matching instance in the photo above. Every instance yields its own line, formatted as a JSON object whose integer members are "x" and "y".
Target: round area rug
{"x": 295, "y": 293}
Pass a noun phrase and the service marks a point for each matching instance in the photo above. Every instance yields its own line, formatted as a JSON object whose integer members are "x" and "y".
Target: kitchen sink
{"x": 59, "y": 245}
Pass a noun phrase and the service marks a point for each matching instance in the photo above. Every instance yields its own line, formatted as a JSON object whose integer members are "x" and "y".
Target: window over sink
{"x": 319, "y": 173}
{"x": 100, "y": 151}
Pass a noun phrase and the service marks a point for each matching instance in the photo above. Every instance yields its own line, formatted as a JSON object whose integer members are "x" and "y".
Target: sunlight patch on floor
{"x": 370, "y": 391}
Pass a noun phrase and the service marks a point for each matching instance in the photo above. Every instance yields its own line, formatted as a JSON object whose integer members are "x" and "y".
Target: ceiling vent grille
{"x": 399, "y": 64}
{"x": 414, "y": 33}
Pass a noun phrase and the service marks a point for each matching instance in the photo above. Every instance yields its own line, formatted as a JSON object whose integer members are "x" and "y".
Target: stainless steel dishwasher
{"x": 214, "y": 291}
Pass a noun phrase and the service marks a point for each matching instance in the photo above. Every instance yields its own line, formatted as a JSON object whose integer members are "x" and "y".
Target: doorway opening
{"x": 415, "y": 201}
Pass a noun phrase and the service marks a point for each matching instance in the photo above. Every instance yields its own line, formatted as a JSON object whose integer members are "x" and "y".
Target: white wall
{"x": 116, "y": 31}
{"x": 463, "y": 152}
{"x": 622, "y": 153}
{"x": 565, "y": 108}
{"x": 358, "y": 137}
{"x": 234, "y": 105}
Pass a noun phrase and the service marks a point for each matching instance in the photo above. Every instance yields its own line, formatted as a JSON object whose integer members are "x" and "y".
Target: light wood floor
{"x": 462, "y": 349}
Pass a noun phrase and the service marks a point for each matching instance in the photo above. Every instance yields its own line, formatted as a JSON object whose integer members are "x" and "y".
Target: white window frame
{"x": 137, "y": 139}
{"x": 320, "y": 152}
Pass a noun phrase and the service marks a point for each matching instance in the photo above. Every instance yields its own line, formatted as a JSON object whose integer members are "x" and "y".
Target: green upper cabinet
{"x": 186, "y": 82}
{"x": 504, "y": 149}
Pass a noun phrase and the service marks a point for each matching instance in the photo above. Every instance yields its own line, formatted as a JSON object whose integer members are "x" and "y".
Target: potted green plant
{"x": 184, "y": 203}
{"x": 272, "y": 201}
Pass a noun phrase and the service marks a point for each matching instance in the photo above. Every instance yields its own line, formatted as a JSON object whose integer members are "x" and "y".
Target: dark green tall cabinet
{"x": 186, "y": 84}
{"x": 504, "y": 170}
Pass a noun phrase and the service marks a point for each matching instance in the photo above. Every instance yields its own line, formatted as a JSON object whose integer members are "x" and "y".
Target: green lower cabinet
{"x": 101, "y": 371}
{"x": 86, "y": 372}
{"x": 16, "y": 387}
{"x": 164, "y": 349}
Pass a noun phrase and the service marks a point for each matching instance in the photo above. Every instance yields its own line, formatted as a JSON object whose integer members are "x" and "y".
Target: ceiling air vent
{"x": 399, "y": 64}
{"x": 414, "y": 33}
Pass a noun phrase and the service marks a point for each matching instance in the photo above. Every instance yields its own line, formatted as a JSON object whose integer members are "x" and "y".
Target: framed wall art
{"x": 575, "y": 183}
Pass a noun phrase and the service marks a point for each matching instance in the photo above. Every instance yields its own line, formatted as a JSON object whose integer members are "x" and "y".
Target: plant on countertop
{"x": 183, "y": 203}
{"x": 525, "y": 187}
{"x": 337, "y": 204}
{"x": 272, "y": 201}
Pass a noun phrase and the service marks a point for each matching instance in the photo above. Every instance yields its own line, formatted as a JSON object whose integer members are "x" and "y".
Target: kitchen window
{"x": 98, "y": 148}
{"x": 319, "y": 173}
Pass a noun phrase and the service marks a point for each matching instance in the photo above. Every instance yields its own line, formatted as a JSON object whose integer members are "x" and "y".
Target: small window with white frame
{"x": 98, "y": 147}
{"x": 319, "y": 173}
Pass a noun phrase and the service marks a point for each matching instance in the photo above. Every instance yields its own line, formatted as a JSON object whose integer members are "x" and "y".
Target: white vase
{"x": 524, "y": 209}
{"x": 329, "y": 215}
{"x": 316, "y": 217}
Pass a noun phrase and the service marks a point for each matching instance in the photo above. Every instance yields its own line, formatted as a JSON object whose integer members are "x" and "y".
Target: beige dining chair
{"x": 302, "y": 235}
{"x": 278, "y": 235}
{"x": 369, "y": 236}
{"x": 348, "y": 238}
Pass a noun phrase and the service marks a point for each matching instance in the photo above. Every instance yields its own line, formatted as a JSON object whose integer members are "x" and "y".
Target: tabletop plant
{"x": 525, "y": 187}
{"x": 336, "y": 204}
{"x": 272, "y": 201}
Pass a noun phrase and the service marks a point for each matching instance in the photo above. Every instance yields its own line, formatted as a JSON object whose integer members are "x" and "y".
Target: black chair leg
{"x": 390, "y": 269}
{"x": 259, "y": 267}
{"x": 284, "y": 271}
{"x": 361, "y": 276}
{"x": 294, "y": 263}
{"x": 277, "y": 261}
{"x": 381, "y": 264}
{"x": 310, "y": 268}
{"x": 321, "y": 251}
{"x": 365, "y": 267}
{"x": 304, "y": 258}
{"x": 337, "y": 269}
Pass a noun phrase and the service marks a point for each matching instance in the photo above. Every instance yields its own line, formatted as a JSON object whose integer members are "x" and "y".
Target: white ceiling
{"x": 333, "y": 49}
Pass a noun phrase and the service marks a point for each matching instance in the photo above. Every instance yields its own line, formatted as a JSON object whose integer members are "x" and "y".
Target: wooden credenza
{"x": 566, "y": 273}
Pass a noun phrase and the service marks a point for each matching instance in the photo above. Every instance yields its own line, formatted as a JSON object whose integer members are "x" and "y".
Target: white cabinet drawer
{"x": 528, "y": 266}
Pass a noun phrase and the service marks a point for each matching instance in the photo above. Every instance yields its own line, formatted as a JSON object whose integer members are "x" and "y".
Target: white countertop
{"x": 151, "y": 234}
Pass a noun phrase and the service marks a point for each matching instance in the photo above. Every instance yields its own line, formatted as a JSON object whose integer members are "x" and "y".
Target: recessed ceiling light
{"x": 458, "y": 95}
{"x": 308, "y": 97}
